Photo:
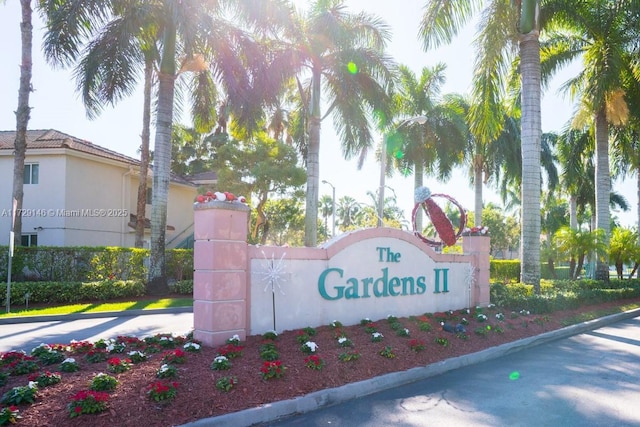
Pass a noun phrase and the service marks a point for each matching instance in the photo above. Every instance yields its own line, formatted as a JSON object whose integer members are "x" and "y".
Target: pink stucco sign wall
{"x": 243, "y": 289}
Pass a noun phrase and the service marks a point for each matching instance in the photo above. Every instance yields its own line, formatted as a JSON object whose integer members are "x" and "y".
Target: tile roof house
{"x": 77, "y": 193}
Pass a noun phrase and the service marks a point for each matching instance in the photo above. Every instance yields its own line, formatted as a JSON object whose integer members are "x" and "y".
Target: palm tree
{"x": 342, "y": 54}
{"x": 576, "y": 244}
{"x": 624, "y": 249}
{"x": 326, "y": 209}
{"x": 433, "y": 129}
{"x": 120, "y": 31}
{"x": 347, "y": 212}
{"x": 626, "y": 144}
{"x": 504, "y": 25}
{"x": 575, "y": 149}
{"x": 22, "y": 118}
{"x": 604, "y": 35}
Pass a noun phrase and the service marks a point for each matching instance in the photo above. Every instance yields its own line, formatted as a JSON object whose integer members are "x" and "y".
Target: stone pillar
{"x": 220, "y": 259}
{"x": 479, "y": 247}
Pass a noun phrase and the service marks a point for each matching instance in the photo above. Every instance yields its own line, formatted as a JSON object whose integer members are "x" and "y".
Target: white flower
{"x": 101, "y": 374}
{"x": 406, "y": 331}
{"x": 110, "y": 348}
{"x": 377, "y": 335}
{"x": 342, "y": 339}
{"x": 42, "y": 345}
{"x": 69, "y": 360}
{"x": 235, "y": 337}
{"x": 491, "y": 305}
{"x": 192, "y": 345}
{"x": 464, "y": 319}
{"x": 32, "y": 385}
{"x": 312, "y": 346}
{"x": 135, "y": 353}
{"x": 468, "y": 311}
{"x": 499, "y": 316}
{"x": 164, "y": 368}
{"x": 218, "y": 359}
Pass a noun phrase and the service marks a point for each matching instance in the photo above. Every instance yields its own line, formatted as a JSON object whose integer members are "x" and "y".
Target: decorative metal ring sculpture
{"x": 441, "y": 223}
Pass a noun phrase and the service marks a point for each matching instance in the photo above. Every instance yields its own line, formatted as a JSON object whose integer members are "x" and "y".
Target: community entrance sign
{"x": 372, "y": 273}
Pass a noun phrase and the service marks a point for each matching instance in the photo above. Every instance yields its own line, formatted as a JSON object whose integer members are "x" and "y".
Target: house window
{"x": 149, "y": 195}
{"x": 29, "y": 240}
{"x": 31, "y": 172}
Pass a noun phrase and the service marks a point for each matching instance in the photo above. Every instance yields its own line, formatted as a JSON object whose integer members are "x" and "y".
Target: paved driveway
{"x": 25, "y": 336}
{"x": 591, "y": 379}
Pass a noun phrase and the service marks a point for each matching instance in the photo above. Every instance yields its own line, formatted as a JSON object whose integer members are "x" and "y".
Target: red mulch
{"x": 198, "y": 396}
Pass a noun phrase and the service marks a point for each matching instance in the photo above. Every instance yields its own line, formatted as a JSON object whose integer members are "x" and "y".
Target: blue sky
{"x": 55, "y": 104}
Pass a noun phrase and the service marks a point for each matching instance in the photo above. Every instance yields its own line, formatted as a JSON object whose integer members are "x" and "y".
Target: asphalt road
{"x": 26, "y": 336}
{"x": 587, "y": 380}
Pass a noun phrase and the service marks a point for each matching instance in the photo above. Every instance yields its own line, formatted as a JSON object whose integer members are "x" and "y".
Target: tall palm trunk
{"x": 638, "y": 205}
{"x": 573, "y": 212}
{"x": 161, "y": 164}
{"x": 144, "y": 156}
{"x": 418, "y": 173}
{"x": 313, "y": 165}
{"x": 477, "y": 187}
{"x": 531, "y": 146}
{"x": 22, "y": 116}
{"x": 603, "y": 190}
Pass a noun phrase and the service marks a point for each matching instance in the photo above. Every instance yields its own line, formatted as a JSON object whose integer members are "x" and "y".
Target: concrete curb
{"x": 76, "y": 316}
{"x": 329, "y": 397}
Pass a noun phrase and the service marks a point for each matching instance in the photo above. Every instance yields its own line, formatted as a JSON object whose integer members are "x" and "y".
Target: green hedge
{"x": 182, "y": 287}
{"x": 562, "y": 294}
{"x": 82, "y": 264}
{"x": 73, "y": 292}
{"x": 507, "y": 270}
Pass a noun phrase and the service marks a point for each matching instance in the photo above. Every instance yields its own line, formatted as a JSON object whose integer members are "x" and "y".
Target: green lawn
{"x": 98, "y": 307}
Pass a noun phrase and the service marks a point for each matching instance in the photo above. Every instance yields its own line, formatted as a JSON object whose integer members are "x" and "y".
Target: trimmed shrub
{"x": 72, "y": 292}
{"x": 505, "y": 270}
{"x": 89, "y": 264}
{"x": 182, "y": 287}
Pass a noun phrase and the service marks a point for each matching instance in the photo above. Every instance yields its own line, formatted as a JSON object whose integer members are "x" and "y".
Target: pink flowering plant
{"x": 226, "y": 383}
{"x": 118, "y": 366}
{"x": 176, "y": 356}
{"x": 9, "y": 415}
{"x": 230, "y": 351}
{"x": 87, "y": 402}
{"x": 417, "y": 345}
{"x": 314, "y": 362}
{"x": 272, "y": 369}
{"x": 160, "y": 390}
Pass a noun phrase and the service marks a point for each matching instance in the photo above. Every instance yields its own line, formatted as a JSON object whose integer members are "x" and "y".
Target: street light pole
{"x": 333, "y": 213}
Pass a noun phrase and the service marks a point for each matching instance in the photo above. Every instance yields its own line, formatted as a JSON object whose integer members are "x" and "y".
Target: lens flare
{"x": 352, "y": 68}
{"x": 514, "y": 375}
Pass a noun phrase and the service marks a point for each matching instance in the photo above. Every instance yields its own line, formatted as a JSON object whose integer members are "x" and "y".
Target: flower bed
{"x": 202, "y": 392}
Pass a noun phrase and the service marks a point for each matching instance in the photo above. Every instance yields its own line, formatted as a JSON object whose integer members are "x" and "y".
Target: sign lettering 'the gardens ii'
{"x": 333, "y": 285}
